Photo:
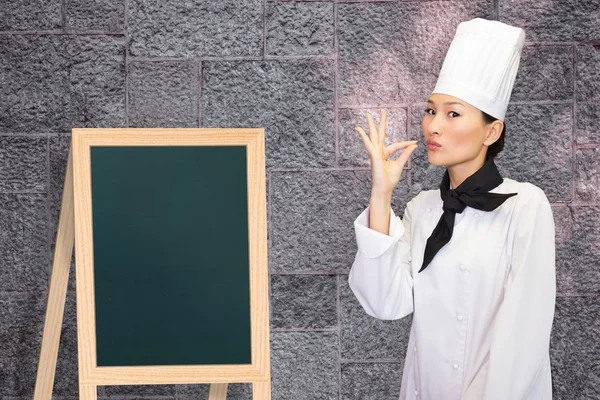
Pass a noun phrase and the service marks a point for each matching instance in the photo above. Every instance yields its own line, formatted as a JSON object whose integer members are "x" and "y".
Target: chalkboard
{"x": 171, "y": 239}
{"x": 171, "y": 257}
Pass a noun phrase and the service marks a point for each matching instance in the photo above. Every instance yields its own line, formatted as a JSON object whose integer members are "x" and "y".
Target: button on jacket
{"x": 482, "y": 310}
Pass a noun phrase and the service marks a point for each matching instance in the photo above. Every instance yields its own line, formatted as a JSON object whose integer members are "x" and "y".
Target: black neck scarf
{"x": 473, "y": 192}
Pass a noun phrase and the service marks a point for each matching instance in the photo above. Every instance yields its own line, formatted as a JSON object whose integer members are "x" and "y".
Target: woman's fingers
{"x": 374, "y": 142}
{"x": 403, "y": 158}
{"x": 394, "y": 147}
{"x": 372, "y": 129}
{"x": 382, "y": 122}
{"x": 366, "y": 140}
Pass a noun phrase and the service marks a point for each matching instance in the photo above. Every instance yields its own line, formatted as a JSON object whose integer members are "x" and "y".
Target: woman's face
{"x": 458, "y": 127}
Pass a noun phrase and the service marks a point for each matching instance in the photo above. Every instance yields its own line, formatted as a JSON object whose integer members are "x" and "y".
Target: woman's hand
{"x": 385, "y": 173}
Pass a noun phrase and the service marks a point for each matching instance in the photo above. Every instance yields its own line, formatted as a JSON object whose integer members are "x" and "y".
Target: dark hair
{"x": 498, "y": 145}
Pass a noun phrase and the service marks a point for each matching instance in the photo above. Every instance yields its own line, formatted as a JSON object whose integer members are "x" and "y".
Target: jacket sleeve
{"x": 380, "y": 276}
{"x": 521, "y": 329}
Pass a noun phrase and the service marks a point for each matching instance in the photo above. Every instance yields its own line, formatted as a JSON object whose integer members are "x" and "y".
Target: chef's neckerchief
{"x": 473, "y": 192}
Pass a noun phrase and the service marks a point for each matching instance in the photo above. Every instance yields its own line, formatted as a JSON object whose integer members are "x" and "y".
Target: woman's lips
{"x": 431, "y": 145}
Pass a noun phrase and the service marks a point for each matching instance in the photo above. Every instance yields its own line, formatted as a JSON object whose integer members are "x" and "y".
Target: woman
{"x": 475, "y": 265}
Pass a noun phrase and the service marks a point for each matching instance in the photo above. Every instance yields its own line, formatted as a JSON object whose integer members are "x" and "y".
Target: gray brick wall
{"x": 307, "y": 72}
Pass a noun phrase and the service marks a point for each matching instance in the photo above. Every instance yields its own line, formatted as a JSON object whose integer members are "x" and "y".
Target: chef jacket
{"x": 482, "y": 310}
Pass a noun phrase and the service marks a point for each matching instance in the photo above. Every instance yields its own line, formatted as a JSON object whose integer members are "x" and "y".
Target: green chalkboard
{"x": 170, "y": 236}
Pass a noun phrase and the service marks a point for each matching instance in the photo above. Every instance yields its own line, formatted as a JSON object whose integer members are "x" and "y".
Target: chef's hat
{"x": 481, "y": 65}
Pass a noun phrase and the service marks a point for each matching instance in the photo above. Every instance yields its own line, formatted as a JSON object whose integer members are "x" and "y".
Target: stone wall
{"x": 307, "y": 72}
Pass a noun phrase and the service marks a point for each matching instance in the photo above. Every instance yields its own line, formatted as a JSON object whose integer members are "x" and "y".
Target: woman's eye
{"x": 427, "y": 111}
{"x": 452, "y": 112}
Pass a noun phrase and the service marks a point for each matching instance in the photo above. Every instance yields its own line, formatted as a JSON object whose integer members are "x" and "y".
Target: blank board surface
{"x": 170, "y": 235}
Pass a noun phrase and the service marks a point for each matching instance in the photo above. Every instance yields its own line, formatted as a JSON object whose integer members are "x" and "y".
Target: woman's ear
{"x": 494, "y": 132}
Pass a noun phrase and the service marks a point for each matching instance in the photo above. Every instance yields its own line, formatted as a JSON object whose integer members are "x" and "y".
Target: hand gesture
{"x": 385, "y": 173}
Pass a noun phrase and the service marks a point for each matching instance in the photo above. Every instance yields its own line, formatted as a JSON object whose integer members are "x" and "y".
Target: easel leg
{"x": 261, "y": 390}
{"x": 218, "y": 391}
{"x": 88, "y": 392}
{"x": 57, "y": 293}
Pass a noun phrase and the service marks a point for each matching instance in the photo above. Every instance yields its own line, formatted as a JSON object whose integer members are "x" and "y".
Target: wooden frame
{"x": 90, "y": 375}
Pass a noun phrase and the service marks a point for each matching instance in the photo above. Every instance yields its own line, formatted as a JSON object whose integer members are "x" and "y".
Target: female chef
{"x": 473, "y": 261}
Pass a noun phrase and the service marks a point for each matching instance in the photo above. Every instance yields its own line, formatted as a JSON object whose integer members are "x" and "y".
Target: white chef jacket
{"x": 482, "y": 309}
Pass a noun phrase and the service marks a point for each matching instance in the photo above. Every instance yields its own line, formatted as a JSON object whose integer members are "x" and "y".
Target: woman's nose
{"x": 432, "y": 125}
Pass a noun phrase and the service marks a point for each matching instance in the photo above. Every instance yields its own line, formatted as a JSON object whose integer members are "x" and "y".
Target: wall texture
{"x": 307, "y": 72}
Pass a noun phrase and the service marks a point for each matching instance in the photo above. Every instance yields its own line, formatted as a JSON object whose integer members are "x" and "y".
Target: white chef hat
{"x": 481, "y": 65}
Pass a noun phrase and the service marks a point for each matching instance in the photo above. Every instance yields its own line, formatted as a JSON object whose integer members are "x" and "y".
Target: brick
{"x": 24, "y": 163}
{"x": 163, "y": 94}
{"x": 235, "y": 391}
{"x": 140, "y": 391}
{"x": 577, "y": 248}
{"x": 53, "y": 83}
{"x": 59, "y": 152}
{"x": 312, "y": 218}
{"x": 21, "y": 323}
{"x": 392, "y": 53}
{"x": 304, "y": 366}
{"x": 95, "y": 15}
{"x": 195, "y": 28}
{"x": 371, "y": 381}
{"x": 566, "y": 20}
{"x": 574, "y": 348}
{"x": 17, "y": 375}
{"x": 587, "y": 123}
{"x": 587, "y": 69}
{"x": 239, "y": 391}
{"x": 587, "y": 174}
{"x": 292, "y": 100}
{"x": 365, "y": 337}
{"x": 352, "y": 148}
{"x": 545, "y": 73}
{"x": 70, "y": 312}
{"x": 66, "y": 380}
{"x": 30, "y": 15}
{"x": 537, "y": 148}
{"x": 189, "y": 392}
{"x": 303, "y": 301}
{"x": 23, "y": 240}
{"x": 299, "y": 28}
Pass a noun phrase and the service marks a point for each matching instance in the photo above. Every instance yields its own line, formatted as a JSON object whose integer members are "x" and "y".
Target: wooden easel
{"x": 57, "y": 294}
{"x": 65, "y": 241}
